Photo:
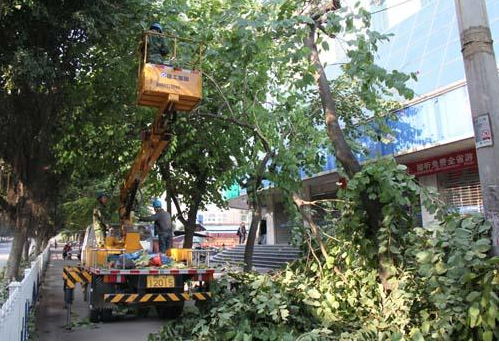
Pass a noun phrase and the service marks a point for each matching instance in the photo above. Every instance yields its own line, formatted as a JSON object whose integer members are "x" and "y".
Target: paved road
{"x": 4, "y": 253}
{"x": 51, "y": 316}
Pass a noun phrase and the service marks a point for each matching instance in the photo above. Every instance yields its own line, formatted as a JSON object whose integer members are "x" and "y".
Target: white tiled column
{"x": 269, "y": 216}
{"x": 428, "y": 181}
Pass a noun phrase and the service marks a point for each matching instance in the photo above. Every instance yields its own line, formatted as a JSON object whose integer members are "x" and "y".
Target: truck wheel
{"x": 142, "y": 312}
{"x": 106, "y": 314}
{"x": 94, "y": 315}
{"x": 170, "y": 312}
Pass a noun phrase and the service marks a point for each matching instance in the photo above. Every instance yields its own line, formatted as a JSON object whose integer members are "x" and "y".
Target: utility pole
{"x": 483, "y": 89}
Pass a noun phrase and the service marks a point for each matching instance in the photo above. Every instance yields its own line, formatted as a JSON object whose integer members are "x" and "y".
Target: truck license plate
{"x": 161, "y": 281}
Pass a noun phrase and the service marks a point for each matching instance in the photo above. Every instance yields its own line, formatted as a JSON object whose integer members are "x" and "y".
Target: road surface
{"x": 4, "y": 253}
{"x": 51, "y": 316}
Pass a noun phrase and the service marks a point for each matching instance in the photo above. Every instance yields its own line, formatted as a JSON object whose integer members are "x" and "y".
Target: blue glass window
{"x": 421, "y": 30}
{"x": 414, "y": 55}
{"x": 443, "y": 19}
{"x": 395, "y": 61}
{"x": 493, "y": 10}
{"x": 426, "y": 14}
{"x": 426, "y": 82}
{"x": 405, "y": 27}
{"x": 453, "y": 51}
{"x": 437, "y": 40}
{"x": 452, "y": 72}
{"x": 432, "y": 60}
{"x": 444, "y": 4}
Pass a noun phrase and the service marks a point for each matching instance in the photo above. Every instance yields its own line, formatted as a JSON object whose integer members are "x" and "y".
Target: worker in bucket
{"x": 162, "y": 225}
{"x": 157, "y": 48}
{"x": 100, "y": 219}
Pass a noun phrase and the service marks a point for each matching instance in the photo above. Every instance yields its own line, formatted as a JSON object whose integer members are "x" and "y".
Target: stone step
{"x": 241, "y": 257}
{"x": 267, "y": 250}
{"x": 266, "y": 246}
{"x": 261, "y": 252}
{"x": 264, "y": 256}
{"x": 259, "y": 264}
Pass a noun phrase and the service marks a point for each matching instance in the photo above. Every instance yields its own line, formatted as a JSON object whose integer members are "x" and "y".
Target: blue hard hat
{"x": 156, "y": 203}
{"x": 156, "y": 26}
{"x": 101, "y": 194}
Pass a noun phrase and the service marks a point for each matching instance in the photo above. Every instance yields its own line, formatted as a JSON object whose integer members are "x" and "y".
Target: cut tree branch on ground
{"x": 299, "y": 203}
{"x": 311, "y": 249}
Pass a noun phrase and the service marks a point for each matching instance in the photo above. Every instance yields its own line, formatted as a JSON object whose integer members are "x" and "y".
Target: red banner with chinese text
{"x": 454, "y": 161}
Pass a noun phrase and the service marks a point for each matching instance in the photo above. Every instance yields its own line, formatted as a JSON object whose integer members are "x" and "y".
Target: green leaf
{"x": 284, "y": 313}
{"x": 396, "y": 336}
{"x": 423, "y": 256}
{"x": 440, "y": 268}
{"x": 488, "y": 336}
{"x": 473, "y": 296}
{"x": 394, "y": 249}
{"x": 313, "y": 293}
{"x": 473, "y": 313}
{"x": 229, "y": 335}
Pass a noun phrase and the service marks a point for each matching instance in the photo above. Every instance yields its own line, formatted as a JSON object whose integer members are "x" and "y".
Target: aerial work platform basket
{"x": 178, "y": 81}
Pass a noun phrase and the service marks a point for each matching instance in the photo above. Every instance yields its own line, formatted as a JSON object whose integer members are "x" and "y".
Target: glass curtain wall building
{"x": 434, "y": 132}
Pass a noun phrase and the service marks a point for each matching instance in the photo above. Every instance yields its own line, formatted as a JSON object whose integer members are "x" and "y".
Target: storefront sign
{"x": 483, "y": 131}
{"x": 454, "y": 161}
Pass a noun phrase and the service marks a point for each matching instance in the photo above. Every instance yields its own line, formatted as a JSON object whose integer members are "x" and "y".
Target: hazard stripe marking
{"x": 76, "y": 277}
{"x": 87, "y": 276}
{"x": 117, "y": 298}
{"x": 70, "y": 281}
{"x": 155, "y": 297}
{"x": 146, "y": 297}
{"x": 132, "y": 298}
{"x": 160, "y": 298}
{"x": 173, "y": 296}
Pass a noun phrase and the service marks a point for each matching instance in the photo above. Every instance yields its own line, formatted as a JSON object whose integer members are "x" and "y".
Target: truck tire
{"x": 106, "y": 314}
{"x": 94, "y": 315}
{"x": 141, "y": 312}
{"x": 170, "y": 312}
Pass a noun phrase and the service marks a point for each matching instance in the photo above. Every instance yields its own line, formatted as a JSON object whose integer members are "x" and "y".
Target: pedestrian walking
{"x": 241, "y": 233}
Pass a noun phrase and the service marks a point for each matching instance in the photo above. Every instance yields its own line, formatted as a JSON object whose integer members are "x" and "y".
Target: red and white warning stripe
{"x": 151, "y": 271}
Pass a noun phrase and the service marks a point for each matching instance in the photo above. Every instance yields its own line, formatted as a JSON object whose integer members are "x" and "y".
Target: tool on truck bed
{"x": 121, "y": 272}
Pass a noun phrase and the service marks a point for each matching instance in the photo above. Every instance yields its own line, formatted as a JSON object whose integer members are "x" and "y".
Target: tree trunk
{"x": 191, "y": 226}
{"x": 341, "y": 148}
{"x": 168, "y": 197}
{"x": 38, "y": 245}
{"x": 250, "y": 242}
{"x": 16, "y": 250}
{"x": 26, "y": 247}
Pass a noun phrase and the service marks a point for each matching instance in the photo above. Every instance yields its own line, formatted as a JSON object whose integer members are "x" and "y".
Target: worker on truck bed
{"x": 162, "y": 225}
{"x": 100, "y": 219}
{"x": 157, "y": 48}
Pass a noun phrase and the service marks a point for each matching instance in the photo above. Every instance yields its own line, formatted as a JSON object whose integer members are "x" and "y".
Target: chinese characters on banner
{"x": 457, "y": 160}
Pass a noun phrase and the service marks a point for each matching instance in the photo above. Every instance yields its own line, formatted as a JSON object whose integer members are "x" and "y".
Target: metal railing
{"x": 14, "y": 315}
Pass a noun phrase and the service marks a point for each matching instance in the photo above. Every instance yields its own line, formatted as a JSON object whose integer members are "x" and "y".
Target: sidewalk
{"x": 51, "y": 315}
